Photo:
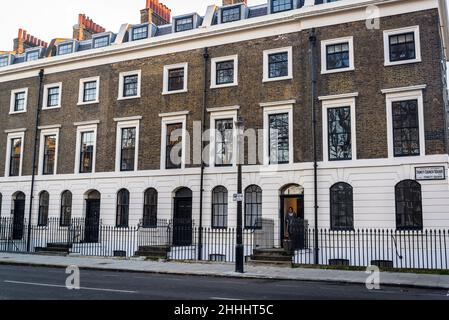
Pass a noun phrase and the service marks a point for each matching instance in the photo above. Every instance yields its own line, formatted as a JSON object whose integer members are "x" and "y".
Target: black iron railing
{"x": 426, "y": 249}
{"x": 417, "y": 249}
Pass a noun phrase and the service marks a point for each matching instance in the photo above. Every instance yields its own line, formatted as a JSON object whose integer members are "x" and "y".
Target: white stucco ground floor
{"x": 373, "y": 183}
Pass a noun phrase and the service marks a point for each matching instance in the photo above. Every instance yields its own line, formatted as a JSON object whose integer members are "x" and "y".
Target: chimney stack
{"x": 25, "y": 41}
{"x": 86, "y": 28}
{"x": 156, "y": 13}
{"x": 228, "y": 2}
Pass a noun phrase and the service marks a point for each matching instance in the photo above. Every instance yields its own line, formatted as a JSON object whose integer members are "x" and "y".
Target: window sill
{"x": 174, "y": 92}
{"x": 277, "y": 79}
{"x": 227, "y": 85}
{"x": 51, "y": 108}
{"x": 325, "y": 71}
{"x": 396, "y": 63}
{"x": 17, "y": 112}
{"x": 128, "y": 98}
{"x": 87, "y": 103}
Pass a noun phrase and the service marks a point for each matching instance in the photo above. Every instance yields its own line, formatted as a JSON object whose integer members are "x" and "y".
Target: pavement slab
{"x": 227, "y": 270}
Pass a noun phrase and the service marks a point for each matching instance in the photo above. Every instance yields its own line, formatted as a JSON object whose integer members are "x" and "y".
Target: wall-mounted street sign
{"x": 430, "y": 173}
{"x": 238, "y": 197}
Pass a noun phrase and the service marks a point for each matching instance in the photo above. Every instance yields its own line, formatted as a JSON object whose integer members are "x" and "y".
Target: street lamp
{"x": 239, "y": 249}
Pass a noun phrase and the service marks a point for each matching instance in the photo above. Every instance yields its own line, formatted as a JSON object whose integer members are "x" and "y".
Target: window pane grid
{"x": 223, "y": 142}
{"x": 281, "y": 5}
{"x": 408, "y": 205}
{"x": 43, "y": 209}
{"x": 225, "y": 72}
{"x": 405, "y": 128}
{"x": 341, "y": 207}
{"x": 184, "y": 24}
{"x": 65, "y": 49}
{"x": 253, "y": 207}
{"x": 140, "y": 33}
{"x": 279, "y": 138}
{"x": 101, "y": 42}
{"x": 230, "y": 14}
{"x": 337, "y": 56}
{"x": 128, "y": 149}
{"x": 176, "y": 79}
{"x": 278, "y": 65}
{"x": 402, "y": 47}
{"x": 173, "y": 131}
{"x": 122, "y": 220}
{"x": 19, "y": 101}
{"x": 14, "y": 161}
{"x": 66, "y": 208}
{"x": 53, "y": 97}
{"x": 150, "y": 209}
{"x": 87, "y": 152}
{"x": 130, "y": 85}
{"x": 49, "y": 155}
{"x": 220, "y": 208}
{"x": 339, "y": 133}
{"x": 90, "y": 91}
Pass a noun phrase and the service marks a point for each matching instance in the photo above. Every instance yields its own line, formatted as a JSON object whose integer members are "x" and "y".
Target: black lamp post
{"x": 239, "y": 249}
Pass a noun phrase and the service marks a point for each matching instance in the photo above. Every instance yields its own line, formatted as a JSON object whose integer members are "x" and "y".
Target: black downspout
{"x": 203, "y": 124}
{"x": 36, "y": 141}
{"x": 312, "y": 48}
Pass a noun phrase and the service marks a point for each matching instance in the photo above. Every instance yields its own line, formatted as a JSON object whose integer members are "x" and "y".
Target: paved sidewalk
{"x": 226, "y": 270}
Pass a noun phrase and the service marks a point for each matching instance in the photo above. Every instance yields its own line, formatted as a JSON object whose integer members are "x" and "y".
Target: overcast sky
{"x": 48, "y": 19}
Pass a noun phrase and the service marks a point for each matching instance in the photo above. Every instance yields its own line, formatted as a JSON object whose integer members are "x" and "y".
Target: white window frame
{"x": 13, "y": 100}
{"x": 213, "y": 79}
{"x": 81, "y": 91}
{"x": 171, "y": 119}
{"x": 122, "y": 76}
{"x": 388, "y": 33}
{"x": 220, "y": 114}
{"x": 79, "y": 131}
{"x": 121, "y": 124}
{"x": 167, "y": 68}
{"x": 338, "y": 103}
{"x": 43, "y": 134}
{"x": 401, "y": 96}
{"x": 45, "y": 100}
{"x": 271, "y": 110}
{"x": 11, "y": 136}
{"x": 325, "y": 43}
{"x": 266, "y": 71}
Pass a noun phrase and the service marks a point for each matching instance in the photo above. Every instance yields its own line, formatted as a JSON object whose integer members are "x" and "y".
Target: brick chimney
{"x": 86, "y": 28}
{"x": 156, "y": 13}
{"x": 228, "y": 2}
{"x": 25, "y": 41}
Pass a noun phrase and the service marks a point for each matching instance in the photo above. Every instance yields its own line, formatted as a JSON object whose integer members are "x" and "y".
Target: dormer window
{"x": 231, "y": 14}
{"x": 281, "y": 5}
{"x": 100, "y": 42}
{"x": 183, "y": 24}
{"x": 33, "y": 55}
{"x": 4, "y": 61}
{"x": 65, "y": 48}
{"x": 140, "y": 32}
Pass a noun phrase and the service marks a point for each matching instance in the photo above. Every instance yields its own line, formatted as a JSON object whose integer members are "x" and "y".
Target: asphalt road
{"x": 24, "y": 282}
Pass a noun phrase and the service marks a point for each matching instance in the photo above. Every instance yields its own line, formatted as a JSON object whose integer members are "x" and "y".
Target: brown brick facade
{"x": 369, "y": 78}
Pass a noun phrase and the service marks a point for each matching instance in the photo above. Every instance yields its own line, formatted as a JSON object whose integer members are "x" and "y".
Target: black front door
{"x": 292, "y": 226}
{"x": 19, "y": 214}
{"x": 182, "y": 222}
{"x": 92, "y": 221}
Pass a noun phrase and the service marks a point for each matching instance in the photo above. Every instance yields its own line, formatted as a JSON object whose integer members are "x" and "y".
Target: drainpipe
{"x": 36, "y": 141}
{"x": 312, "y": 50}
{"x": 203, "y": 126}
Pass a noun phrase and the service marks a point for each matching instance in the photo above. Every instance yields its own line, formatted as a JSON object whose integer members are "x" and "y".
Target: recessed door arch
{"x": 182, "y": 217}
{"x": 18, "y": 199}
{"x": 92, "y": 218}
